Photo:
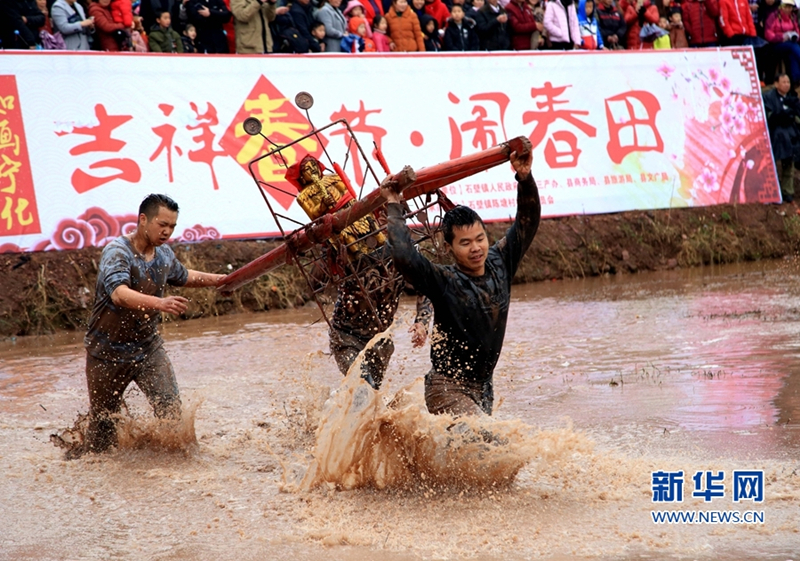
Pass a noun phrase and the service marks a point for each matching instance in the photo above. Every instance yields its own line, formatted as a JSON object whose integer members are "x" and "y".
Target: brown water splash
{"x": 369, "y": 438}
{"x": 136, "y": 433}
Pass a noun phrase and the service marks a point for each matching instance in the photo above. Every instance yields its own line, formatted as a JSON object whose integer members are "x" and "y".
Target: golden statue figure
{"x": 321, "y": 194}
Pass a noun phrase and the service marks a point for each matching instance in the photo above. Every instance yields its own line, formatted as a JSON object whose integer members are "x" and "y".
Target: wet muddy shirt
{"x": 366, "y": 317}
{"x": 470, "y": 312}
{"x": 122, "y": 334}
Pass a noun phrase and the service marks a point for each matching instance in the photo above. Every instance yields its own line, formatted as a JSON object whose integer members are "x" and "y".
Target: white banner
{"x": 85, "y": 137}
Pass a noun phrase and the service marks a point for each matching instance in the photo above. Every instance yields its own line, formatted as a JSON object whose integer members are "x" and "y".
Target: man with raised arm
{"x": 122, "y": 342}
{"x": 470, "y": 298}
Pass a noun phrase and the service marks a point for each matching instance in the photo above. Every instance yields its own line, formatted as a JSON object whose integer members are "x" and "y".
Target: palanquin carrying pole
{"x": 409, "y": 183}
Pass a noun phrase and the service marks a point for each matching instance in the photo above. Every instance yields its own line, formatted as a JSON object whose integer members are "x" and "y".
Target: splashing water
{"x": 367, "y": 438}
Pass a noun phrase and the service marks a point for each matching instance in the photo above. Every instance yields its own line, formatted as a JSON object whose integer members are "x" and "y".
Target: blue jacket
{"x": 589, "y": 26}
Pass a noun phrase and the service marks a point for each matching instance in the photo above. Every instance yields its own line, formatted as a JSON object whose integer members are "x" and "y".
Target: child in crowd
{"x": 318, "y": 35}
{"x": 430, "y": 33}
{"x": 357, "y": 40}
{"x": 355, "y": 9}
{"x": 663, "y": 42}
{"x": 460, "y": 33}
{"x": 379, "y": 27}
{"x": 677, "y": 34}
{"x": 188, "y": 37}
{"x": 139, "y": 38}
{"x": 122, "y": 12}
{"x": 591, "y": 40}
{"x": 164, "y": 39}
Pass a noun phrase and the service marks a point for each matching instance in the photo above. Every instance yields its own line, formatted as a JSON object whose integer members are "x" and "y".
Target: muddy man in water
{"x": 470, "y": 299}
{"x": 122, "y": 343}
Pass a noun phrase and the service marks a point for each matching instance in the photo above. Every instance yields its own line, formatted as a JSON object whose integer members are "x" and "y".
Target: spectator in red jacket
{"x": 700, "y": 21}
{"x": 438, "y": 11}
{"x": 636, "y": 14}
{"x": 736, "y": 21}
{"x": 108, "y": 32}
{"x": 523, "y": 25}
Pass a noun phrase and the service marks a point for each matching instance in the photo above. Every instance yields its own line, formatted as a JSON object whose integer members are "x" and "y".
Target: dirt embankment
{"x": 44, "y": 292}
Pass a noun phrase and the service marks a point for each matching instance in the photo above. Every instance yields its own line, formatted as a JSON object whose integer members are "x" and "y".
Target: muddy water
{"x": 608, "y": 379}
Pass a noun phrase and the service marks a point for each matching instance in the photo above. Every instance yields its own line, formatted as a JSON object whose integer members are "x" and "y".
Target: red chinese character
{"x": 127, "y": 169}
{"x": 554, "y": 157}
{"x": 167, "y": 133}
{"x": 206, "y": 152}
{"x": 484, "y": 136}
{"x": 631, "y": 120}
{"x": 358, "y": 122}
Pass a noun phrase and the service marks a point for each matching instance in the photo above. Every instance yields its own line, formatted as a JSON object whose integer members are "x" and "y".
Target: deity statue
{"x": 321, "y": 194}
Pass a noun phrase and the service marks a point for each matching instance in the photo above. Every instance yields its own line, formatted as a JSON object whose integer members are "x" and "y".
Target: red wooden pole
{"x": 411, "y": 184}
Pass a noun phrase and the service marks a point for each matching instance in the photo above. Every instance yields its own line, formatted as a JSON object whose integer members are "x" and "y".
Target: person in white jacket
{"x": 561, "y": 24}
{"x": 69, "y": 18}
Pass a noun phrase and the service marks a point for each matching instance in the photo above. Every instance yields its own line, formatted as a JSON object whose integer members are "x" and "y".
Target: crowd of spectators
{"x": 312, "y": 26}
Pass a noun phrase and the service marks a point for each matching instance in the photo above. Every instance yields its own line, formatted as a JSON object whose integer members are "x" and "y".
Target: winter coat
{"x": 431, "y": 41}
{"x": 610, "y": 22}
{"x": 188, "y": 45}
{"x": 165, "y": 40}
{"x": 590, "y": 31}
{"x": 438, "y": 11}
{"x": 210, "y": 36}
{"x": 631, "y": 15}
{"x": 778, "y": 24}
{"x": 700, "y": 21}
{"x": 405, "y": 32}
{"x": 677, "y": 37}
{"x": 523, "y": 24}
{"x": 11, "y": 14}
{"x": 784, "y": 132}
{"x": 303, "y": 17}
{"x": 381, "y": 41}
{"x": 562, "y": 24}
{"x": 67, "y": 20}
{"x": 121, "y": 12}
{"x": 494, "y": 35}
{"x": 372, "y": 8}
{"x": 335, "y": 27}
{"x": 105, "y": 27}
{"x": 735, "y": 18}
{"x": 463, "y": 39}
{"x": 251, "y": 20}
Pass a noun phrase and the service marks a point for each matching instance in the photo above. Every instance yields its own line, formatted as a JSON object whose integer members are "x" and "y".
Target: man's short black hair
{"x": 780, "y": 75}
{"x": 459, "y": 217}
{"x": 316, "y": 24}
{"x": 153, "y": 202}
{"x": 454, "y": 6}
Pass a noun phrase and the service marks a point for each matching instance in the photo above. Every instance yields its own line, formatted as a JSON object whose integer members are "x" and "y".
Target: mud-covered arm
{"x": 417, "y": 270}
{"x": 520, "y": 235}
{"x": 424, "y": 310}
{"x": 529, "y": 211}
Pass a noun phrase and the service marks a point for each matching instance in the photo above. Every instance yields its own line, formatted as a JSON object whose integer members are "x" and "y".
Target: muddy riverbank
{"x": 50, "y": 291}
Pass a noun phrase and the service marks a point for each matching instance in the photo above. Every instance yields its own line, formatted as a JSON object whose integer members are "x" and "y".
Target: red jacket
{"x": 122, "y": 12}
{"x": 438, "y": 11}
{"x": 735, "y": 18}
{"x": 628, "y": 9}
{"x": 369, "y": 11}
{"x": 523, "y": 24}
{"x": 700, "y": 21}
{"x": 105, "y": 27}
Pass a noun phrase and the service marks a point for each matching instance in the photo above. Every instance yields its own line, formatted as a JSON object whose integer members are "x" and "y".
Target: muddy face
{"x": 470, "y": 247}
